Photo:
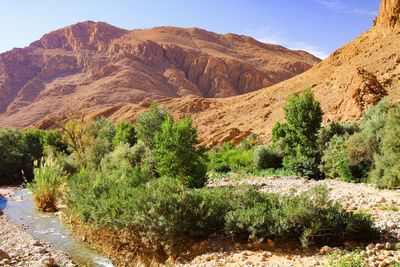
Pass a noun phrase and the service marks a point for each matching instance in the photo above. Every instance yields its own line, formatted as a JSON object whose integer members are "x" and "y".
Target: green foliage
{"x": 19, "y": 149}
{"x": 102, "y": 133}
{"x": 339, "y": 161}
{"x": 310, "y": 217}
{"x": 264, "y": 157}
{"x": 13, "y": 159}
{"x": 125, "y": 133}
{"x": 45, "y": 187}
{"x": 297, "y": 137}
{"x": 163, "y": 213}
{"x": 348, "y": 259}
{"x": 386, "y": 173}
{"x": 229, "y": 158}
{"x": 148, "y": 124}
{"x": 250, "y": 142}
{"x": 124, "y": 158}
{"x": 325, "y": 134}
{"x": 177, "y": 154}
{"x": 334, "y": 160}
{"x": 374, "y": 119}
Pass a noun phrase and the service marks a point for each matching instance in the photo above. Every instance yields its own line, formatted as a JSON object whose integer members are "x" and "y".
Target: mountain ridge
{"x": 96, "y": 64}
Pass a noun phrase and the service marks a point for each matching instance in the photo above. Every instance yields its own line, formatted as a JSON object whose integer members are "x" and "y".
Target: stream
{"x": 49, "y": 229}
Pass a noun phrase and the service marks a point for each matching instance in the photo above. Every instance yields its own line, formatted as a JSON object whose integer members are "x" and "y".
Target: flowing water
{"x": 48, "y": 228}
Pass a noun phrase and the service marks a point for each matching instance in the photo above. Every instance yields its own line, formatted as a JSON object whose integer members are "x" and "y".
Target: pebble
{"x": 325, "y": 250}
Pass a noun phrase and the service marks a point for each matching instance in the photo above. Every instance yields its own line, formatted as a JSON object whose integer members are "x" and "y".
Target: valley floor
{"x": 19, "y": 248}
{"x": 384, "y": 205}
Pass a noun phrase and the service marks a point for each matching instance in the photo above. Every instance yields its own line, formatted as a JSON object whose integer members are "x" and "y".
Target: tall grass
{"x": 45, "y": 187}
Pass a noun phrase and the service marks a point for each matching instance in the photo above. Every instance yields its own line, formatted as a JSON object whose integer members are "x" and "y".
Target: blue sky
{"x": 318, "y": 26}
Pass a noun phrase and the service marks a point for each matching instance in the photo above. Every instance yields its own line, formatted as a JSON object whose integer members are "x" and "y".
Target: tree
{"x": 13, "y": 162}
{"x": 149, "y": 124}
{"x": 386, "y": 173}
{"x": 125, "y": 133}
{"x": 177, "y": 154}
{"x": 297, "y": 136}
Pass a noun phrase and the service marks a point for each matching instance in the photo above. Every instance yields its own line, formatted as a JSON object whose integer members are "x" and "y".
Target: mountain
{"x": 354, "y": 77}
{"x": 96, "y": 65}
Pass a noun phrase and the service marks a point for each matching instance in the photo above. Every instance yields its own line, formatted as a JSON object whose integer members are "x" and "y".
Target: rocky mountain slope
{"x": 95, "y": 65}
{"x": 352, "y": 78}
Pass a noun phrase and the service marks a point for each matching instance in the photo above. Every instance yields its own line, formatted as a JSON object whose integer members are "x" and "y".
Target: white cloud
{"x": 339, "y": 6}
{"x": 266, "y": 35}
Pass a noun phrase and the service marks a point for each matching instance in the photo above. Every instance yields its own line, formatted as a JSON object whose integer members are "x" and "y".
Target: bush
{"x": 228, "y": 158}
{"x": 296, "y": 137}
{"x": 264, "y": 157}
{"x": 163, "y": 213}
{"x": 45, "y": 187}
{"x": 123, "y": 159}
{"x": 325, "y": 134}
{"x": 310, "y": 217}
{"x": 337, "y": 162}
{"x": 386, "y": 172}
{"x": 177, "y": 154}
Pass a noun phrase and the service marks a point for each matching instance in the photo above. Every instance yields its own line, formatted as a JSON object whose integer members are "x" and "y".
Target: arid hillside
{"x": 352, "y": 78}
{"x": 97, "y": 65}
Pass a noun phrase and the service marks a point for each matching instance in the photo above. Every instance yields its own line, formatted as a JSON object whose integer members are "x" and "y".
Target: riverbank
{"x": 19, "y": 248}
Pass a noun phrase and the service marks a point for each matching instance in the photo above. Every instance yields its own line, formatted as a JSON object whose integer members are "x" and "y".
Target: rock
{"x": 370, "y": 246}
{"x": 4, "y": 255}
{"x": 36, "y": 243}
{"x": 6, "y": 261}
{"x": 388, "y": 246}
{"x": 391, "y": 225}
{"x": 383, "y": 263}
{"x": 379, "y": 200}
{"x": 379, "y": 246}
{"x": 270, "y": 243}
{"x": 325, "y": 250}
{"x": 49, "y": 262}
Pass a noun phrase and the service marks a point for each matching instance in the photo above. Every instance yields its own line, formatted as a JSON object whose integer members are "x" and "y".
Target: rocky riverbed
{"x": 18, "y": 248}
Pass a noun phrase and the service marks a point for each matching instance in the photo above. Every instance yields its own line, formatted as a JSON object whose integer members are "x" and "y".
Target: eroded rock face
{"x": 389, "y": 15}
{"x": 96, "y": 64}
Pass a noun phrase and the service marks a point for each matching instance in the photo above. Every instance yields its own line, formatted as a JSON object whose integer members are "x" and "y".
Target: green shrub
{"x": 310, "y": 217}
{"x": 265, "y": 157}
{"x": 164, "y": 213}
{"x": 177, "y": 154}
{"x": 229, "y": 158}
{"x": 45, "y": 187}
{"x": 339, "y": 162}
{"x": 374, "y": 119}
{"x": 325, "y": 134}
{"x": 386, "y": 172}
{"x": 250, "y": 142}
{"x": 124, "y": 158}
{"x": 297, "y": 136}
